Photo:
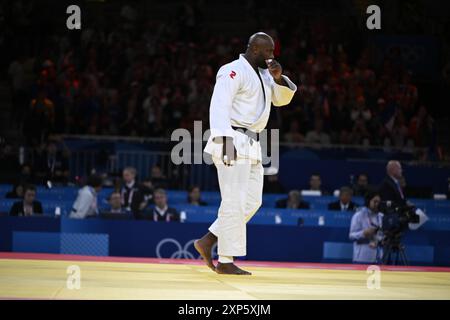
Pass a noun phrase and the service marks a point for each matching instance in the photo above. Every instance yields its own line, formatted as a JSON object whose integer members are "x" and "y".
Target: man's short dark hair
{"x": 369, "y": 196}
{"x": 113, "y": 193}
{"x": 191, "y": 188}
{"x": 94, "y": 181}
{"x": 29, "y": 187}
{"x": 131, "y": 169}
{"x": 363, "y": 174}
{"x": 160, "y": 190}
{"x": 345, "y": 189}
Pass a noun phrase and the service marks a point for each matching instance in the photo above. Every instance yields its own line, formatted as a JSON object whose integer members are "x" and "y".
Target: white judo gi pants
{"x": 241, "y": 188}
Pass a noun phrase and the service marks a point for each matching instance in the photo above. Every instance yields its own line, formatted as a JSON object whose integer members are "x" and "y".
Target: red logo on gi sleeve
{"x": 232, "y": 74}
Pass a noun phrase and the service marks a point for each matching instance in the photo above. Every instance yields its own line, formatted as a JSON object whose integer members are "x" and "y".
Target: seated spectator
{"x": 29, "y": 206}
{"x": 115, "y": 204}
{"x": 360, "y": 110}
{"x": 317, "y": 135}
{"x": 345, "y": 202}
{"x": 294, "y": 135}
{"x": 86, "y": 203}
{"x": 157, "y": 177}
{"x": 315, "y": 184}
{"x": 40, "y": 117}
{"x": 361, "y": 187}
{"x": 293, "y": 201}
{"x": 161, "y": 211}
{"x": 26, "y": 174}
{"x": 132, "y": 195}
{"x": 272, "y": 184}
{"x": 16, "y": 192}
{"x": 10, "y": 165}
{"x": 194, "y": 196}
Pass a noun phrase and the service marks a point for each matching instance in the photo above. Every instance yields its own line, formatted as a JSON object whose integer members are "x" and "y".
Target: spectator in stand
{"x": 421, "y": 127}
{"x": 293, "y": 201}
{"x": 29, "y": 206}
{"x": 317, "y": 135}
{"x": 85, "y": 205}
{"x": 26, "y": 174}
{"x": 10, "y": 165}
{"x": 161, "y": 211}
{"x": 360, "y": 111}
{"x": 194, "y": 196}
{"x": 157, "y": 177}
{"x": 361, "y": 187}
{"x": 272, "y": 184}
{"x": 345, "y": 202}
{"x": 40, "y": 118}
{"x": 53, "y": 165}
{"x": 115, "y": 204}
{"x": 315, "y": 184}
{"x": 16, "y": 192}
{"x": 16, "y": 71}
{"x": 131, "y": 193}
{"x": 340, "y": 119}
{"x": 294, "y": 135}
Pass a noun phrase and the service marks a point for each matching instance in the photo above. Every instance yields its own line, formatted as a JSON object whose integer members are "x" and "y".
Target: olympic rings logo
{"x": 181, "y": 252}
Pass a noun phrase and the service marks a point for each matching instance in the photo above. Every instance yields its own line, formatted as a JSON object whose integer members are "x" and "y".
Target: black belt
{"x": 253, "y": 135}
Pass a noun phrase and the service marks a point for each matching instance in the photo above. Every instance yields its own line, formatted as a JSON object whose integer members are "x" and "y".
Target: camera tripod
{"x": 394, "y": 251}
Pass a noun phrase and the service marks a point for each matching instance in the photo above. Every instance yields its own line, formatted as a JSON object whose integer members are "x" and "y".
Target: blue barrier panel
{"x": 338, "y": 250}
{"x": 264, "y": 242}
{"x": 85, "y": 244}
{"x": 32, "y": 224}
{"x": 36, "y": 242}
{"x": 291, "y": 217}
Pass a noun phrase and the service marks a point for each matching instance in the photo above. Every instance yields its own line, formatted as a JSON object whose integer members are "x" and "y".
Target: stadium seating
{"x": 63, "y": 197}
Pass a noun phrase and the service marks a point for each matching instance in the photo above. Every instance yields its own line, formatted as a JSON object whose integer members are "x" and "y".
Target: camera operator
{"x": 391, "y": 189}
{"x": 365, "y": 230}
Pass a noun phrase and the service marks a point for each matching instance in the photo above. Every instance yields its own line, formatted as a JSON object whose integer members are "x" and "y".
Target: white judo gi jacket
{"x": 239, "y": 100}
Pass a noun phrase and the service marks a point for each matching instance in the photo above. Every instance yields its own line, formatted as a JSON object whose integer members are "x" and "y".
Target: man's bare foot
{"x": 230, "y": 268}
{"x": 204, "y": 247}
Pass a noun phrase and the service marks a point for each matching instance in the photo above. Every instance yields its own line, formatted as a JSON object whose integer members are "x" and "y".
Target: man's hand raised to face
{"x": 275, "y": 70}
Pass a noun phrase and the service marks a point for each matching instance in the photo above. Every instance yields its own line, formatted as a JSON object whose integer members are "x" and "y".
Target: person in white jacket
{"x": 240, "y": 106}
{"x": 86, "y": 203}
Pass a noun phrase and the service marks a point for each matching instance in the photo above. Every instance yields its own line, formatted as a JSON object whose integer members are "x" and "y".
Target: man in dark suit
{"x": 28, "y": 206}
{"x": 115, "y": 205}
{"x": 391, "y": 189}
{"x": 161, "y": 211}
{"x": 345, "y": 202}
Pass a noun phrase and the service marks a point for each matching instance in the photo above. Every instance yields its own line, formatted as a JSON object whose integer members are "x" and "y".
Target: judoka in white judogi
{"x": 242, "y": 98}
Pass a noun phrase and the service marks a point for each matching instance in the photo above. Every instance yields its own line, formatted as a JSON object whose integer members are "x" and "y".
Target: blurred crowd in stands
{"x": 140, "y": 77}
